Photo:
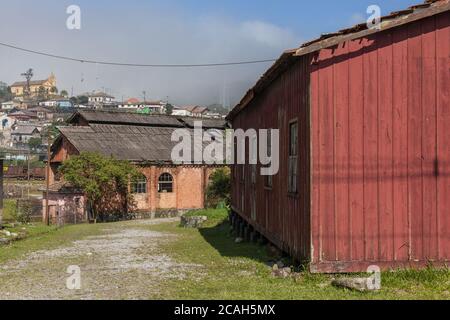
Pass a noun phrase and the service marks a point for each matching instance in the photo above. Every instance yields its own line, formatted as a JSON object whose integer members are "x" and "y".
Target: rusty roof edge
{"x": 248, "y": 97}
{"x": 433, "y": 9}
{"x": 422, "y": 11}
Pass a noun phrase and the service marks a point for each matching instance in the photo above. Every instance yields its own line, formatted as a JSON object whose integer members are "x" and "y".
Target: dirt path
{"x": 126, "y": 262}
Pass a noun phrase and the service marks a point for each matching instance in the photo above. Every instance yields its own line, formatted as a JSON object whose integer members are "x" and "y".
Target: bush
{"x": 218, "y": 191}
{"x": 23, "y": 211}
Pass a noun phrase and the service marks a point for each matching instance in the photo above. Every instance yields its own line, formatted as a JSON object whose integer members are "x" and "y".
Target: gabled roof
{"x": 206, "y": 122}
{"x": 395, "y": 19}
{"x": 21, "y": 113}
{"x": 195, "y": 109}
{"x": 25, "y": 130}
{"x": 39, "y": 109}
{"x": 99, "y": 95}
{"x": 132, "y": 101}
{"x": 145, "y": 120}
{"x": 124, "y": 118}
{"x": 124, "y": 142}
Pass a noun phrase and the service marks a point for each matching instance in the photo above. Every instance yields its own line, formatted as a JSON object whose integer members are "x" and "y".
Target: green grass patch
{"x": 42, "y": 237}
{"x": 9, "y": 209}
{"x": 226, "y": 270}
{"x": 215, "y": 216}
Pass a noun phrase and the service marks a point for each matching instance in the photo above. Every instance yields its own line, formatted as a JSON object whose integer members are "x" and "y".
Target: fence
{"x": 68, "y": 213}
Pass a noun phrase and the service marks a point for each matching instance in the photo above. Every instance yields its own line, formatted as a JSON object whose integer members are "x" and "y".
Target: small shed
{"x": 364, "y": 173}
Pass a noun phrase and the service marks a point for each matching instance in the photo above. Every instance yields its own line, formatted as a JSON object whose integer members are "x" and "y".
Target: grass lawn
{"x": 240, "y": 271}
{"x": 9, "y": 207}
{"x": 222, "y": 269}
{"x": 42, "y": 237}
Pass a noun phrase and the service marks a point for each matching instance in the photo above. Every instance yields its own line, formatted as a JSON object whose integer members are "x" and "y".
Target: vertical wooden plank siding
{"x": 341, "y": 146}
{"x": 442, "y": 165}
{"x": 371, "y": 78}
{"x": 415, "y": 126}
{"x": 316, "y": 167}
{"x": 429, "y": 142}
{"x": 400, "y": 145}
{"x": 374, "y": 152}
{"x": 385, "y": 150}
{"x": 356, "y": 144}
{"x": 282, "y": 217}
{"x": 380, "y": 118}
{"x": 326, "y": 153}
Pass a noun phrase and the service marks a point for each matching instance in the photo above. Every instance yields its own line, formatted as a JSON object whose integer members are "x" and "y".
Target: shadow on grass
{"x": 223, "y": 241}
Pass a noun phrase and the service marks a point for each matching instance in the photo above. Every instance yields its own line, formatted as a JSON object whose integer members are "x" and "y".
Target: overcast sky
{"x": 167, "y": 32}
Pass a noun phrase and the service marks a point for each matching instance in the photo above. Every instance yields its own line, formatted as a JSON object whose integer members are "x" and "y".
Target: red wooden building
{"x": 364, "y": 118}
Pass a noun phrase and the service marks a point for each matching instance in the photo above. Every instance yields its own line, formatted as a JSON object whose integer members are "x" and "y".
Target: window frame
{"x": 166, "y": 183}
{"x": 139, "y": 185}
{"x": 293, "y": 158}
{"x": 268, "y": 181}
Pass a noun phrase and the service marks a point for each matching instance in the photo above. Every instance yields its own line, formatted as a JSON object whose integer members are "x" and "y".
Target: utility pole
{"x": 47, "y": 181}
{"x": 145, "y": 95}
{"x": 28, "y": 75}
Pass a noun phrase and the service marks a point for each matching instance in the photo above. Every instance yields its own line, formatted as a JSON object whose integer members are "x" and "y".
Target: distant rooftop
{"x": 98, "y": 95}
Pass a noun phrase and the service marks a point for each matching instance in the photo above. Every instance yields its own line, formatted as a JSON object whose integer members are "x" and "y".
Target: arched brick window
{"x": 165, "y": 183}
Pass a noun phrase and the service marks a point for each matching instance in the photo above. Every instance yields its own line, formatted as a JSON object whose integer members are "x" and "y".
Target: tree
{"x": 83, "y": 100}
{"x": 169, "y": 109}
{"x": 42, "y": 93}
{"x": 105, "y": 182}
{"x": 219, "y": 188}
{"x": 74, "y": 100}
{"x": 64, "y": 93}
{"x": 54, "y": 90}
{"x": 34, "y": 143}
{"x": 5, "y": 94}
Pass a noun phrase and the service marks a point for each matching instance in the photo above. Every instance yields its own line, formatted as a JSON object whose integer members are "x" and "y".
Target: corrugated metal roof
{"x": 395, "y": 19}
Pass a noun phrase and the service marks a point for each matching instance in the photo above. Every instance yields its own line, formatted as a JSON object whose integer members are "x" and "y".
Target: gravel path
{"x": 125, "y": 263}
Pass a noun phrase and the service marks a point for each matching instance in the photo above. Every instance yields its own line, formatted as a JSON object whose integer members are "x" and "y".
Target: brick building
{"x": 165, "y": 188}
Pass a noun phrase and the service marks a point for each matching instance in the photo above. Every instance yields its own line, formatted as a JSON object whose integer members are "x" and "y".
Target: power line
{"x": 135, "y": 64}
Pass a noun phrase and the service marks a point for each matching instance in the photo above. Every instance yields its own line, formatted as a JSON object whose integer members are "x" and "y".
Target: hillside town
{"x": 29, "y": 107}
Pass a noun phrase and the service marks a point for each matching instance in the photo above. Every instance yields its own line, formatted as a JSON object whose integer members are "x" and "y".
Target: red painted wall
{"x": 280, "y": 216}
{"x": 374, "y": 141}
{"x": 381, "y": 174}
